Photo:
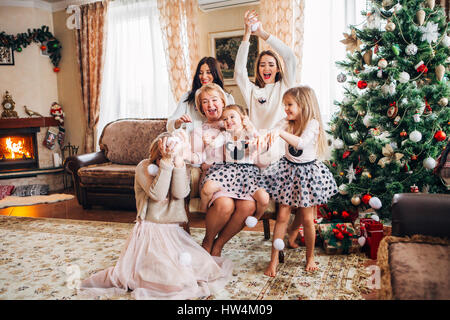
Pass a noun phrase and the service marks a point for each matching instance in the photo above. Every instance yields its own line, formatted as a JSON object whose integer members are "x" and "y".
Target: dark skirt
{"x": 299, "y": 184}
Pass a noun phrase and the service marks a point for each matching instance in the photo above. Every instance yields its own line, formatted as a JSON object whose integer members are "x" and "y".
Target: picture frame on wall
{"x": 6, "y": 56}
{"x": 224, "y": 46}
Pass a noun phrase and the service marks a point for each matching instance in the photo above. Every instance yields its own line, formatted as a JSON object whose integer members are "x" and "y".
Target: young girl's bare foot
{"x": 292, "y": 236}
{"x": 311, "y": 265}
{"x": 271, "y": 270}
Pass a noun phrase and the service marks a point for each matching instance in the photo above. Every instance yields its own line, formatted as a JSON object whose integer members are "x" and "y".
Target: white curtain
{"x": 135, "y": 80}
{"x": 325, "y": 23}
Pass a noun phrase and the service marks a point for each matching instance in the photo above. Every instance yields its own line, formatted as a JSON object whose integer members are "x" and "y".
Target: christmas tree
{"x": 393, "y": 121}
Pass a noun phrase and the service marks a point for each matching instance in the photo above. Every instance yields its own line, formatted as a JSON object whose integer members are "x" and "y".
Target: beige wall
{"x": 31, "y": 81}
{"x": 220, "y": 21}
{"x": 69, "y": 84}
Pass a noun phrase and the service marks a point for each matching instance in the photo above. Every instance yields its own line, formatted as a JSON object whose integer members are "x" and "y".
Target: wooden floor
{"x": 72, "y": 210}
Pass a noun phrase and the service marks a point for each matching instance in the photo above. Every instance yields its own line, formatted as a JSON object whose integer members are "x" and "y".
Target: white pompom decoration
{"x": 429, "y": 163}
{"x": 361, "y": 241}
{"x": 375, "y": 203}
{"x": 415, "y": 136}
{"x": 375, "y": 217}
{"x": 152, "y": 169}
{"x": 446, "y": 41}
{"x": 343, "y": 189}
{"x": 185, "y": 259}
{"x": 278, "y": 244}
{"x": 404, "y": 77}
{"x": 366, "y": 119}
{"x": 251, "y": 221}
{"x": 338, "y": 144}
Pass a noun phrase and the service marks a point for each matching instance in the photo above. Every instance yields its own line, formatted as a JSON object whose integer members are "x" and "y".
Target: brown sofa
{"x": 106, "y": 177}
{"x": 414, "y": 261}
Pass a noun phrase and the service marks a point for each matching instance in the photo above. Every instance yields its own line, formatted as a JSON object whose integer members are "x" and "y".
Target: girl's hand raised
{"x": 166, "y": 151}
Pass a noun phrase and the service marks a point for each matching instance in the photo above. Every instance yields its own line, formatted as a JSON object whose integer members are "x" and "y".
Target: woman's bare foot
{"x": 271, "y": 270}
{"x": 292, "y": 236}
{"x": 216, "y": 249}
{"x": 311, "y": 265}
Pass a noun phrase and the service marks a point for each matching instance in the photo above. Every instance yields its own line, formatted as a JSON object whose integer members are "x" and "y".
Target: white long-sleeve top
{"x": 197, "y": 117}
{"x": 265, "y": 104}
{"x": 306, "y": 148}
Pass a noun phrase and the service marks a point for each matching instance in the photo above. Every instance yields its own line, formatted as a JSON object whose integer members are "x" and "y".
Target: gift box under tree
{"x": 372, "y": 231}
{"x": 339, "y": 238}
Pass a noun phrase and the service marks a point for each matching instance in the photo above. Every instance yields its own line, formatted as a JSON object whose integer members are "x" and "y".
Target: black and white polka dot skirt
{"x": 299, "y": 184}
{"x": 240, "y": 179}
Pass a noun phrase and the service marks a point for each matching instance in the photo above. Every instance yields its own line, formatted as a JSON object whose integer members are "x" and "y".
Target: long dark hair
{"x": 214, "y": 67}
{"x": 258, "y": 79}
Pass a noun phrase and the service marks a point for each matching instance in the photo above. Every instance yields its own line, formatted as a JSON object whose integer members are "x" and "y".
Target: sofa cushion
{"x": 127, "y": 141}
{"x": 420, "y": 271}
{"x": 414, "y": 268}
{"x": 107, "y": 174}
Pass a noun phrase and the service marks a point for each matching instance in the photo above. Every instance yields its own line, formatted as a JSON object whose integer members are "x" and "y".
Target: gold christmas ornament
{"x": 440, "y": 71}
{"x": 390, "y": 26}
{"x": 420, "y": 15}
{"x": 431, "y": 4}
{"x": 389, "y": 156}
{"x": 356, "y": 200}
{"x": 367, "y": 57}
{"x": 366, "y": 174}
{"x": 351, "y": 42}
{"x": 443, "y": 102}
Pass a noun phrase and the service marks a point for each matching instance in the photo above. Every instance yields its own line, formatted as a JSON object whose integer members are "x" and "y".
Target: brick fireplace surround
{"x": 46, "y": 173}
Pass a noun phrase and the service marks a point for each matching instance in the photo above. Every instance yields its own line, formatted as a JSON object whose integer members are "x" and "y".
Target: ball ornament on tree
{"x": 390, "y": 26}
{"x": 338, "y": 144}
{"x": 403, "y": 134}
{"x": 443, "y": 102}
{"x": 375, "y": 203}
{"x": 341, "y": 77}
{"x": 366, "y": 198}
{"x": 356, "y": 201}
{"x": 411, "y": 49}
{"x": 440, "y": 135}
{"x": 415, "y": 136}
{"x": 362, "y": 84}
{"x": 404, "y": 77}
{"x": 429, "y": 163}
{"x": 343, "y": 189}
{"x": 382, "y": 63}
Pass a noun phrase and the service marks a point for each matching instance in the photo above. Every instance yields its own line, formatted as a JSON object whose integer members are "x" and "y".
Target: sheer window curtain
{"x": 325, "y": 23}
{"x": 135, "y": 80}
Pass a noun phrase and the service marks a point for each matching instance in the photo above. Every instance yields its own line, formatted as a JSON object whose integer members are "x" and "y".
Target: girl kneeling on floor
{"x": 298, "y": 181}
{"x": 160, "y": 260}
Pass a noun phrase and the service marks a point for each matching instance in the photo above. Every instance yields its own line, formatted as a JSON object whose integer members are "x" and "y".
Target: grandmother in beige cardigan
{"x": 160, "y": 260}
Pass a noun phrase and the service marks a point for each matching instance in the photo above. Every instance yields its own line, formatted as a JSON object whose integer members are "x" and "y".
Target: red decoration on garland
{"x": 414, "y": 188}
{"x": 43, "y": 48}
{"x": 362, "y": 84}
{"x": 440, "y": 135}
{"x": 345, "y": 214}
{"x": 422, "y": 68}
{"x": 366, "y": 198}
{"x": 56, "y": 69}
{"x": 346, "y": 154}
{"x": 403, "y": 134}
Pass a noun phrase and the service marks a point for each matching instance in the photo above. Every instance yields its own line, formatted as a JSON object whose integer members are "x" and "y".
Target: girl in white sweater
{"x": 264, "y": 97}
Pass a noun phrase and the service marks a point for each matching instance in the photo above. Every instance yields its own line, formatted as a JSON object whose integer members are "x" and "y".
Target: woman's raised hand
{"x": 167, "y": 151}
{"x": 185, "y": 118}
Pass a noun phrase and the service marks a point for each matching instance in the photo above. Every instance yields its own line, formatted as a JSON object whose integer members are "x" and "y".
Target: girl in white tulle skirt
{"x": 160, "y": 260}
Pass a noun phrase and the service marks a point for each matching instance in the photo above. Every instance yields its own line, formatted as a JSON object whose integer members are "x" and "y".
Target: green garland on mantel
{"x": 43, "y": 36}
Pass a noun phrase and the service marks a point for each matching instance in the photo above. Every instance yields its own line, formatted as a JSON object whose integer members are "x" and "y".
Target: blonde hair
{"x": 208, "y": 88}
{"x": 153, "y": 150}
{"x": 242, "y": 113}
{"x": 306, "y": 100}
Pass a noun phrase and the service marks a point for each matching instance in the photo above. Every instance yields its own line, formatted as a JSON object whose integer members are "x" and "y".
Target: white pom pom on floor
{"x": 361, "y": 241}
{"x": 375, "y": 217}
{"x": 152, "y": 169}
{"x": 251, "y": 221}
{"x": 278, "y": 244}
{"x": 185, "y": 259}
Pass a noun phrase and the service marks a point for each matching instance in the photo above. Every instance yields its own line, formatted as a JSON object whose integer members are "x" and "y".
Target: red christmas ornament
{"x": 414, "y": 188}
{"x": 345, "y": 214}
{"x": 366, "y": 198}
{"x": 334, "y": 165}
{"x": 440, "y": 135}
{"x": 414, "y": 157}
{"x": 422, "y": 68}
{"x": 56, "y": 69}
{"x": 403, "y": 134}
{"x": 362, "y": 84}
{"x": 43, "y": 48}
{"x": 346, "y": 154}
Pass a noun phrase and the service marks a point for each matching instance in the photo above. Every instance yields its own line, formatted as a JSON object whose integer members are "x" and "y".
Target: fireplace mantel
{"x": 28, "y": 122}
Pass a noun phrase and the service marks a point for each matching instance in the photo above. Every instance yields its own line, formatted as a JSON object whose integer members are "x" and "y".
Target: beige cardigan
{"x": 160, "y": 198}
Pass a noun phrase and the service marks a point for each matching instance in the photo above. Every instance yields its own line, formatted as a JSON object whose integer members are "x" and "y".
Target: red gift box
{"x": 373, "y": 231}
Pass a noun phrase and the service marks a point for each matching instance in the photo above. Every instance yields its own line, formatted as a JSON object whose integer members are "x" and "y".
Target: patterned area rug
{"x": 14, "y": 201}
{"x": 44, "y": 259}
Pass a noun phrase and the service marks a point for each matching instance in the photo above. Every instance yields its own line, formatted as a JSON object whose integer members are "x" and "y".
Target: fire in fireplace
{"x": 18, "y": 149}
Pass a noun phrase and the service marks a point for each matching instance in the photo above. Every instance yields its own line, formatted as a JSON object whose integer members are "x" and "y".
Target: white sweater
{"x": 265, "y": 115}
{"x": 196, "y": 116}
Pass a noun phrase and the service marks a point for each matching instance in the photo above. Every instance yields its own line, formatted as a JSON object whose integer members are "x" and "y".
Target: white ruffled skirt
{"x": 161, "y": 261}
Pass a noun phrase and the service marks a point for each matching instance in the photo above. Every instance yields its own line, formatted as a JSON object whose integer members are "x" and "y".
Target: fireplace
{"x": 18, "y": 149}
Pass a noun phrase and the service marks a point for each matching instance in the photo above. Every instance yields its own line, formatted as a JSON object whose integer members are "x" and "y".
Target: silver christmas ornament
{"x": 341, "y": 77}
{"x": 411, "y": 49}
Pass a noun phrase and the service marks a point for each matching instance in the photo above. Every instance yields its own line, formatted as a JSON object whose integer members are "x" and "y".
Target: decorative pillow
{"x": 5, "y": 191}
{"x": 31, "y": 190}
